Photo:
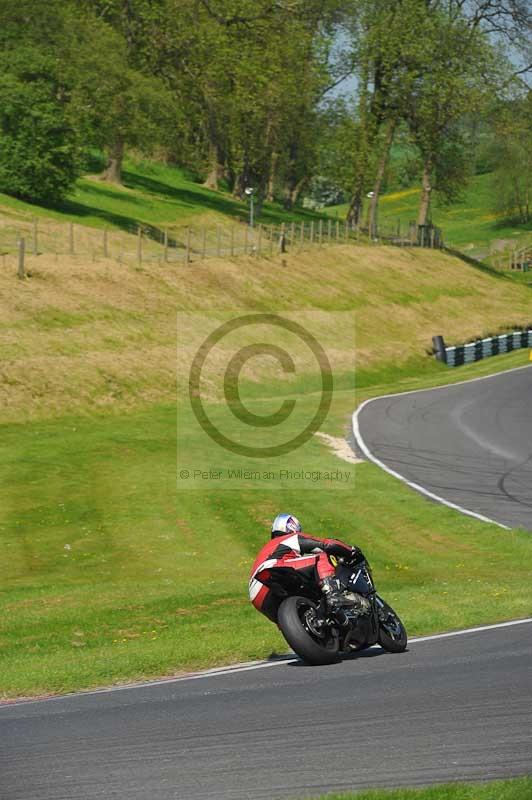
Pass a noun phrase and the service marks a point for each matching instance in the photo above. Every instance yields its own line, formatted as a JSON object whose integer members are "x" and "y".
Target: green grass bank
{"x": 113, "y": 572}
{"x": 515, "y": 789}
{"x": 152, "y": 194}
{"x": 161, "y": 195}
{"x": 468, "y": 224}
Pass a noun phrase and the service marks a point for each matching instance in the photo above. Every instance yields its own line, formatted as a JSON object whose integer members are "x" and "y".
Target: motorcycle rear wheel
{"x": 295, "y": 621}
{"x": 392, "y": 632}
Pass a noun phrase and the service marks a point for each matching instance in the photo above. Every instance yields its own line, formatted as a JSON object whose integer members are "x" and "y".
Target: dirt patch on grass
{"x": 339, "y": 447}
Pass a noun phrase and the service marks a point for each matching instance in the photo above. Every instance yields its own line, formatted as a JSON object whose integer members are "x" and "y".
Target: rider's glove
{"x": 356, "y": 554}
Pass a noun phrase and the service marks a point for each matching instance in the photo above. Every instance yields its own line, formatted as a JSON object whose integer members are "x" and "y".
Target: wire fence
{"x": 186, "y": 244}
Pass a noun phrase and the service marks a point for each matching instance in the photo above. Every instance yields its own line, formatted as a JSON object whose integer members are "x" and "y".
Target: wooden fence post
{"x": 292, "y": 234}
{"x": 329, "y": 227}
{"x": 187, "y": 247}
{"x": 337, "y": 230}
{"x": 21, "y": 255}
{"x": 320, "y": 232}
{"x": 282, "y": 239}
{"x": 302, "y": 234}
{"x": 312, "y": 232}
{"x": 139, "y": 245}
{"x": 35, "y": 237}
{"x": 71, "y": 239}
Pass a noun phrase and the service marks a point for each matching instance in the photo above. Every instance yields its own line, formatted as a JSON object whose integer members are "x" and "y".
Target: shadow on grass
{"x": 213, "y": 201}
{"x": 480, "y": 265}
{"x": 187, "y": 198}
{"x": 512, "y": 222}
{"x": 74, "y": 208}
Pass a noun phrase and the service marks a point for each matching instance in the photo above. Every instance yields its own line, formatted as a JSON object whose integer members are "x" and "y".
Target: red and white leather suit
{"x": 299, "y": 551}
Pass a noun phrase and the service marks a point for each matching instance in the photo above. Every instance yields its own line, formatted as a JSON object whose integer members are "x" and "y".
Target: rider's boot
{"x": 333, "y": 591}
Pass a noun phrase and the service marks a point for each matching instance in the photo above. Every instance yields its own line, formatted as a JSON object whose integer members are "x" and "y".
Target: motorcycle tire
{"x": 392, "y": 632}
{"x": 308, "y": 644}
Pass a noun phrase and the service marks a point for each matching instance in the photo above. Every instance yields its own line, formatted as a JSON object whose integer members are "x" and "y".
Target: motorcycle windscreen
{"x": 357, "y": 580}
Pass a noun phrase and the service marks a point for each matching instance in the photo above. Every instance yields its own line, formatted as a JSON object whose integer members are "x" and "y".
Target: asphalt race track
{"x": 470, "y": 444}
{"x": 447, "y": 709}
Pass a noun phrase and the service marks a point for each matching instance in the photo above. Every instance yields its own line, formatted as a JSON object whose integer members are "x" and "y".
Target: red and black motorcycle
{"x": 318, "y": 634}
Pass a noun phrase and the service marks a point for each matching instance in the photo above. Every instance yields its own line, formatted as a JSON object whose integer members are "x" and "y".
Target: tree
{"x": 386, "y": 36}
{"x": 455, "y": 81}
{"x": 512, "y": 158}
{"x": 39, "y": 154}
{"x": 118, "y": 107}
{"x": 39, "y": 147}
{"x": 251, "y": 75}
{"x": 110, "y": 62}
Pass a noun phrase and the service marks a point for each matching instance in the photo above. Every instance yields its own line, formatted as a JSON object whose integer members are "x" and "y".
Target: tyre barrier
{"x": 482, "y": 348}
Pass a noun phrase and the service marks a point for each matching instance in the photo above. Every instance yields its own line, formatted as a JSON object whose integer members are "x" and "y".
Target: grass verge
{"x": 81, "y": 337}
{"x": 111, "y": 571}
{"x": 514, "y": 789}
{"x": 107, "y": 577}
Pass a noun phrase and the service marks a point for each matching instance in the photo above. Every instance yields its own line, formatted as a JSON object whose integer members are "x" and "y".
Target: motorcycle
{"x": 318, "y": 634}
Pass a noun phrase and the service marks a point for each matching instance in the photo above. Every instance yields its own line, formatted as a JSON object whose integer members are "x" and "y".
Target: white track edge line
{"x": 367, "y": 452}
{"x": 509, "y": 624}
{"x": 244, "y": 667}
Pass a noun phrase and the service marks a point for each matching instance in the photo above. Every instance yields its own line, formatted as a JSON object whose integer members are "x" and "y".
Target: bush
{"x": 38, "y": 151}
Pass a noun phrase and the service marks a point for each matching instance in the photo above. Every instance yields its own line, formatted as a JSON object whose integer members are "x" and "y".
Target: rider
{"x": 289, "y": 547}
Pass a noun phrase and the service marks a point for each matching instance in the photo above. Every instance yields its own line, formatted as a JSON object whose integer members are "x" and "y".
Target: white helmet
{"x": 285, "y": 523}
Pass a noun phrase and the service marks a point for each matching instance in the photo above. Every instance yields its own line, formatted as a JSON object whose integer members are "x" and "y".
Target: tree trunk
{"x": 240, "y": 184}
{"x": 216, "y": 169}
{"x": 426, "y": 189}
{"x": 290, "y": 182}
{"x": 298, "y": 188}
{"x": 292, "y": 190}
{"x": 270, "y": 191}
{"x": 287, "y": 197}
{"x": 231, "y": 177}
{"x": 363, "y": 148}
{"x": 113, "y": 169}
{"x": 354, "y": 213}
{"x": 373, "y": 223}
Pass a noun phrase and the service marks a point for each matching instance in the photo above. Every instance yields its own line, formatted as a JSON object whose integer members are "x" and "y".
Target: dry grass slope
{"x": 79, "y": 336}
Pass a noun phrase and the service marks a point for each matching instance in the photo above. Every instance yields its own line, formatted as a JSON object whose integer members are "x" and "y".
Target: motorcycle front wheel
{"x": 299, "y": 623}
{"x": 392, "y": 632}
